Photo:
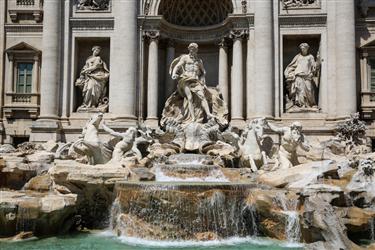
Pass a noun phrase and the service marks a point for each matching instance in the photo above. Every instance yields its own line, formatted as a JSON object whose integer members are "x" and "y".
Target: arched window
{"x": 195, "y": 13}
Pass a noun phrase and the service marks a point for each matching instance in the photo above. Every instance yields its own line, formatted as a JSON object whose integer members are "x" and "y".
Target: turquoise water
{"x": 98, "y": 241}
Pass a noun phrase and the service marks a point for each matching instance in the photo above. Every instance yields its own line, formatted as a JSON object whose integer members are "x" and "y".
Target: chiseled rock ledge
{"x": 40, "y": 213}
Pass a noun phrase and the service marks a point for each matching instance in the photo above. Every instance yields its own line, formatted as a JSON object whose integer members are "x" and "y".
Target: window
{"x": 24, "y": 77}
{"x": 372, "y": 78}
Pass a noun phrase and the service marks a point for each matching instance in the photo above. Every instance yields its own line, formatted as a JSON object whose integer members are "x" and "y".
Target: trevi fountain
{"x": 195, "y": 181}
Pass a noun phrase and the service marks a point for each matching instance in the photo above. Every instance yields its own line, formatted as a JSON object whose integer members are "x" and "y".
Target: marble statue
{"x": 302, "y": 79}
{"x": 93, "y": 81}
{"x": 89, "y": 144}
{"x": 251, "y": 152}
{"x": 193, "y": 101}
{"x": 93, "y": 4}
{"x": 126, "y": 145}
{"x": 291, "y": 139}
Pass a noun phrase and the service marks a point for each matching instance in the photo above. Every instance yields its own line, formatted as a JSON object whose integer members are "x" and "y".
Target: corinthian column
{"x": 263, "y": 79}
{"x": 345, "y": 59}
{"x": 152, "y": 82}
{"x": 50, "y": 58}
{"x": 170, "y": 86}
{"x": 122, "y": 85}
{"x": 223, "y": 70}
{"x": 47, "y": 126}
{"x": 237, "y": 89}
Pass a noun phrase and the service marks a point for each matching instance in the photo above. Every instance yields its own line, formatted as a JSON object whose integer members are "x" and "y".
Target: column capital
{"x": 152, "y": 35}
{"x": 238, "y": 34}
{"x": 223, "y": 43}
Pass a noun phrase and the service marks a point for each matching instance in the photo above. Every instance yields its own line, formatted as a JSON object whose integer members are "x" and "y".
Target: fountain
{"x": 197, "y": 179}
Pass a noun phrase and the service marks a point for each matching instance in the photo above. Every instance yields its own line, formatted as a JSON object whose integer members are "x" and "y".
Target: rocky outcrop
{"x": 43, "y": 214}
{"x": 93, "y": 186}
{"x": 300, "y": 176}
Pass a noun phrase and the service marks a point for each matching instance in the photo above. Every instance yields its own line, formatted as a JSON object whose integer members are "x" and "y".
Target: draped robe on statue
{"x": 177, "y": 106}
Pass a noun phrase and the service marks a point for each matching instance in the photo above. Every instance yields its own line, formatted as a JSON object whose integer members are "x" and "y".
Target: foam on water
{"x": 219, "y": 243}
{"x": 215, "y": 176}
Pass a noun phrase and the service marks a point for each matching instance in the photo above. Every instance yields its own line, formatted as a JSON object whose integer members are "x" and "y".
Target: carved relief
{"x": 93, "y": 5}
{"x": 302, "y": 77}
{"x": 93, "y": 82}
{"x": 300, "y": 4}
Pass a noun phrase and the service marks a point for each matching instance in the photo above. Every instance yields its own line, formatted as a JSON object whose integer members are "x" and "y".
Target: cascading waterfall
{"x": 179, "y": 211}
{"x": 292, "y": 226}
{"x": 24, "y": 220}
{"x": 372, "y": 229}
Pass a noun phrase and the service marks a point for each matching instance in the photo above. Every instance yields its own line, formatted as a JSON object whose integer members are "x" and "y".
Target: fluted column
{"x": 122, "y": 85}
{"x": 153, "y": 76}
{"x": 49, "y": 90}
{"x": 263, "y": 79}
{"x": 237, "y": 88}
{"x": 223, "y": 70}
{"x": 345, "y": 59}
{"x": 170, "y": 86}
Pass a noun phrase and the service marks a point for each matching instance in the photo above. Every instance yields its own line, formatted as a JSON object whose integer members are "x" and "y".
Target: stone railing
{"x": 21, "y": 98}
{"x": 25, "y": 2}
{"x": 19, "y": 104}
{"x": 28, "y": 9}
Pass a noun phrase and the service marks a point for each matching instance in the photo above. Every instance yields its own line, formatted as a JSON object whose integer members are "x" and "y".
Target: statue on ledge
{"x": 193, "y": 101}
{"x": 93, "y": 82}
{"x": 302, "y": 81}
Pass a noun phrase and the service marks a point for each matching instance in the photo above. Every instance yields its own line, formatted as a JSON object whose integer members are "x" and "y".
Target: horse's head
{"x": 257, "y": 125}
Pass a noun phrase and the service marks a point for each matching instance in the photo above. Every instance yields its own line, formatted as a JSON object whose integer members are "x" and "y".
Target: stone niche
{"x": 291, "y": 48}
{"x": 209, "y": 53}
{"x": 83, "y": 52}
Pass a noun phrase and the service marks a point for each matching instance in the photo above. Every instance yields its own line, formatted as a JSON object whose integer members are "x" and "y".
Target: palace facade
{"x": 58, "y": 54}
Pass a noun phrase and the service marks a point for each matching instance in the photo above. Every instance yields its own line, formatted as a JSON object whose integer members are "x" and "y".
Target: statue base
{"x": 101, "y": 109}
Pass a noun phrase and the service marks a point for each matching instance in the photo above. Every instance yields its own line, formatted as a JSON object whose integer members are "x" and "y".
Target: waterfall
{"x": 25, "y": 222}
{"x": 372, "y": 229}
{"x": 292, "y": 225}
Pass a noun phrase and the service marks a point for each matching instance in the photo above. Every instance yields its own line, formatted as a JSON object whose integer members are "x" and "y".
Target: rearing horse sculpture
{"x": 251, "y": 149}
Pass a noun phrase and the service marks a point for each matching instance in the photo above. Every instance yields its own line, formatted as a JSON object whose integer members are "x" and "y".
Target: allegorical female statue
{"x": 302, "y": 79}
{"x": 93, "y": 82}
{"x": 193, "y": 101}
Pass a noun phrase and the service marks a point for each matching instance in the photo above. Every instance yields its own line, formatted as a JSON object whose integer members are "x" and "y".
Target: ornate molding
{"x": 92, "y": 24}
{"x": 92, "y": 6}
{"x": 152, "y": 35}
{"x": 237, "y": 34}
{"x": 300, "y": 4}
{"x": 244, "y": 6}
{"x": 29, "y": 28}
{"x": 305, "y": 20}
{"x": 212, "y": 33}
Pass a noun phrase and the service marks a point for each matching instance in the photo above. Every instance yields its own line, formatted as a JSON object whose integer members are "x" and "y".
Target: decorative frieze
{"x": 92, "y": 24}
{"x": 298, "y": 4}
{"x": 305, "y": 20}
{"x": 93, "y": 5}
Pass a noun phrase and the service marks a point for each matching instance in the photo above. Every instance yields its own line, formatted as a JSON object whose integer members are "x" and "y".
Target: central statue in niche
{"x": 193, "y": 101}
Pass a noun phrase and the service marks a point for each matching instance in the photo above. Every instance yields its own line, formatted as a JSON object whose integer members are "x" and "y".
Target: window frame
{"x": 16, "y": 78}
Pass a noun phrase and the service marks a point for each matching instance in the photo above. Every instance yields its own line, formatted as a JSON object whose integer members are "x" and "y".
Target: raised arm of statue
{"x": 276, "y": 129}
{"x": 111, "y": 131}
